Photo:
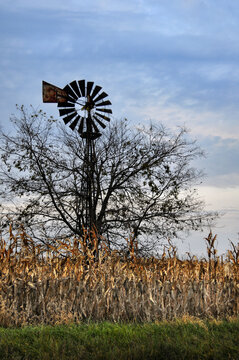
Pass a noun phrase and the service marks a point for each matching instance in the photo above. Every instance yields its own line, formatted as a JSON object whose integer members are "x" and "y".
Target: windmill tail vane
{"x": 52, "y": 93}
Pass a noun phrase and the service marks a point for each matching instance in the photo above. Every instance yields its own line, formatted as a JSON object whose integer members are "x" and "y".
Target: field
{"x": 64, "y": 285}
{"x": 57, "y": 302}
{"x": 179, "y": 339}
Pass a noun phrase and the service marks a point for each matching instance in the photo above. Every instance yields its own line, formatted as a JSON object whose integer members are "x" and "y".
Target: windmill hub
{"x": 89, "y": 105}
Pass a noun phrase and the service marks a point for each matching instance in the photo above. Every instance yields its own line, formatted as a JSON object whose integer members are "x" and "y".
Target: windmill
{"x": 85, "y": 108}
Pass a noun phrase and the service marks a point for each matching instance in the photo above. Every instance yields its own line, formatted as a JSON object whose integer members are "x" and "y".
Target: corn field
{"x": 64, "y": 283}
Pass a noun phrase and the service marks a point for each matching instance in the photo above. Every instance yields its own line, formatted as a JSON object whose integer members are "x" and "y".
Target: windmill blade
{"x": 70, "y": 99}
{"x": 68, "y": 118}
{"x": 75, "y": 122}
{"x": 94, "y": 107}
{"x": 95, "y": 91}
{"x": 109, "y": 111}
{"x": 66, "y": 104}
{"x": 82, "y": 87}
{"x": 70, "y": 92}
{"x": 80, "y": 129}
{"x": 103, "y": 116}
{"x": 100, "y": 97}
{"x": 89, "y": 87}
{"x": 107, "y": 102}
{"x": 75, "y": 87}
{"x": 99, "y": 122}
{"x": 66, "y": 111}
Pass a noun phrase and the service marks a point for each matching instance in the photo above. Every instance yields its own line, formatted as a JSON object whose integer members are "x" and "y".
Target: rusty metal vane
{"x": 53, "y": 94}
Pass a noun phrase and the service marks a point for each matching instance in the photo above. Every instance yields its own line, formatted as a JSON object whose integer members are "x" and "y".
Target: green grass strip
{"x": 164, "y": 340}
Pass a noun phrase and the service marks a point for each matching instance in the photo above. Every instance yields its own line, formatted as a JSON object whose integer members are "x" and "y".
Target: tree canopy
{"x": 145, "y": 184}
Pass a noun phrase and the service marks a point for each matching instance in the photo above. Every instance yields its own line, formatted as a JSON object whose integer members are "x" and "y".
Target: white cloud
{"x": 225, "y": 200}
{"x": 200, "y": 122}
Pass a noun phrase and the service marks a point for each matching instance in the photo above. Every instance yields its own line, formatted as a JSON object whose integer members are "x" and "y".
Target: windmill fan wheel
{"x": 86, "y": 108}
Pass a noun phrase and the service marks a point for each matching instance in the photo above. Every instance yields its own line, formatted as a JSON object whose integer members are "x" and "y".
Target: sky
{"x": 172, "y": 62}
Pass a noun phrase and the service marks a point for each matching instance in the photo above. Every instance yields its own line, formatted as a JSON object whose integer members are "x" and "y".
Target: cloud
{"x": 225, "y": 201}
{"x": 172, "y": 61}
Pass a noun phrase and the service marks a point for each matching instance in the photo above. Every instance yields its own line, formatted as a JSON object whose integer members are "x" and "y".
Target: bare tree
{"x": 143, "y": 181}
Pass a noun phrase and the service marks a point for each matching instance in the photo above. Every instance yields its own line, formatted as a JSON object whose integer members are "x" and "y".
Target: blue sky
{"x": 174, "y": 62}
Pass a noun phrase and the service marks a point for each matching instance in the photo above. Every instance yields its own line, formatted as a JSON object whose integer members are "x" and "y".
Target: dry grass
{"x": 64, "y": 284}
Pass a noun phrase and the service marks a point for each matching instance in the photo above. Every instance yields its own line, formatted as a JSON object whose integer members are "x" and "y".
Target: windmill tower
{"x": 84, "y": 107}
